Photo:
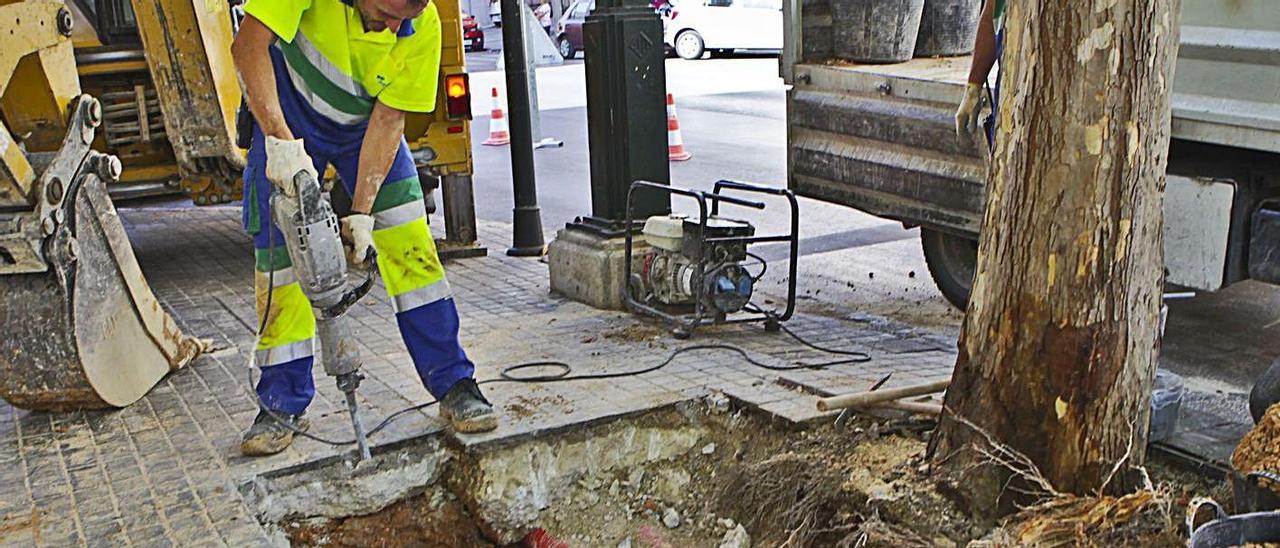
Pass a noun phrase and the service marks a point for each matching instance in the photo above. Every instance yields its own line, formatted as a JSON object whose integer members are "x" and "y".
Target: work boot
{"x": 269, "y": 435}
{"x": 466, "y": 409}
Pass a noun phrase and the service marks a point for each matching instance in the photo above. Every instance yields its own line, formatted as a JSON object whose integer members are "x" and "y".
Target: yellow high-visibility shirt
{"x": 340, "y": 69}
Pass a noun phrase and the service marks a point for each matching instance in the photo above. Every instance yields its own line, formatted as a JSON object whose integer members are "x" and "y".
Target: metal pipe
{"x": 871, "y": 398}
{"x": 527, "y": 239}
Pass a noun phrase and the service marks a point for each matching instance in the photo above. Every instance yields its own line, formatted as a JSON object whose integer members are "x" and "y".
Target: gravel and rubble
{"x": 862, "y": 484}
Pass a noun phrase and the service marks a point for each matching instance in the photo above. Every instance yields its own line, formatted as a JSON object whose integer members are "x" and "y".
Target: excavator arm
{"x": 79, "y": 327}
{"x": 187, "y": 43}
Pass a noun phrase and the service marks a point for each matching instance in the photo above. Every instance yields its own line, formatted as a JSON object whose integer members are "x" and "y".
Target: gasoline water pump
{"x": 699, "y": 270}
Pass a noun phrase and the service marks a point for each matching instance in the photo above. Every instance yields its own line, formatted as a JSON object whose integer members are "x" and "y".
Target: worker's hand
{"x": 358, "y": 230}
{"x": 967, "y": 113}
{"x": 285, "y": 159}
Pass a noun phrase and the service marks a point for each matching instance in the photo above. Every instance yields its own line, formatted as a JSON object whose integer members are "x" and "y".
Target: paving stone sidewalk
{"x": 166, "y": 470}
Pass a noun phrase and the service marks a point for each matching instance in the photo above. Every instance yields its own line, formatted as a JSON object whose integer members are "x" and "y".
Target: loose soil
{"x": 438, "y": 521}
{"x": 636, "y": 332}
{"x": 1260, "y": 448}
{"x": 865, "y": 483}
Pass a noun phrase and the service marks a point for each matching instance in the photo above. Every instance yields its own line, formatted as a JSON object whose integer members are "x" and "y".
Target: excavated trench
{"x": 704, "y": 472}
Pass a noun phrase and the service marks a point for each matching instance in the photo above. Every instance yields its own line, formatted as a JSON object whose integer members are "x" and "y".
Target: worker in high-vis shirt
{"x": 329, "y": 83}
{"x": 988, "y": 45}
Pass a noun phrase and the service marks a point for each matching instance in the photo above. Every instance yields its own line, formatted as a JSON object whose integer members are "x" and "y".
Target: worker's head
{"x": 388, "y": 14}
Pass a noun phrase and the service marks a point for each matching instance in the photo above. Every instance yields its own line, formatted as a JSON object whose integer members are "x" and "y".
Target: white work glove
{"x": 358, "y": 230}
{"x": 968, "y": 112}
{"x": 285, "y": 159}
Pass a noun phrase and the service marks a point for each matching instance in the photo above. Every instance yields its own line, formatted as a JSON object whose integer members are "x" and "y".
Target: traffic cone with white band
{"x": 675, "y": 144}
{"x": 499, "y": 132}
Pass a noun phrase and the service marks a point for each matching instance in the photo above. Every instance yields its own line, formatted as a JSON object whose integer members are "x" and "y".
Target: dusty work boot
{"x": 466, "y": 409}
{"x": 269, "y": 435}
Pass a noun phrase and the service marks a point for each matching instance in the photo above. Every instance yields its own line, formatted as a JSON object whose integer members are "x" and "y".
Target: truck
{"x": 880, "y": 139}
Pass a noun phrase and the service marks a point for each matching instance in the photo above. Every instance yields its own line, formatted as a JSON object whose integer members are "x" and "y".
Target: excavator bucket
{"x": 88, "y": 333}
{"x": 79, "y": 327}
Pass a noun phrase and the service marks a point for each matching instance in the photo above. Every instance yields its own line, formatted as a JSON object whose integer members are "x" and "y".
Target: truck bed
{"x": 881, "y": 138}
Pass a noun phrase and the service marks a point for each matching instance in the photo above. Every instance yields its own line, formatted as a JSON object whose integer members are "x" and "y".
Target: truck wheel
{"x": 952, "y": 261}
{"x": 689, "y": 45}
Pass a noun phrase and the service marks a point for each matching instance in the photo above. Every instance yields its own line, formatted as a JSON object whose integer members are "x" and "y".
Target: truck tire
{"x": 689, "y": 45}
{"x": 952, "y": 261}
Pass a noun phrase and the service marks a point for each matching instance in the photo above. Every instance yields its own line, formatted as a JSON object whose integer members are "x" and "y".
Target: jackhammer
{"x": 310, "y": 230}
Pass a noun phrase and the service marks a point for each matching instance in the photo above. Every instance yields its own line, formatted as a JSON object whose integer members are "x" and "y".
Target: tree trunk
{"x": 1058, "y": 349}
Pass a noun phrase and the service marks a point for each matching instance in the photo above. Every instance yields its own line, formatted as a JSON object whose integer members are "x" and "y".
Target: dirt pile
{"x": 1259, "y": 450}
{"x": 436, "y": 520}
{"x": 637, "y": 332}
{"x": 865, "y": 485}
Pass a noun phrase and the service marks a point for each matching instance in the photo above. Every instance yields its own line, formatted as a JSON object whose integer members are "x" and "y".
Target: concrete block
{"x": 588, "y": 268}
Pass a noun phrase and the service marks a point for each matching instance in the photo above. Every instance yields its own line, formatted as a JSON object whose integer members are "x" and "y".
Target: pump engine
{"x": 685, "y": 265}
{"x": 700, "y": 270}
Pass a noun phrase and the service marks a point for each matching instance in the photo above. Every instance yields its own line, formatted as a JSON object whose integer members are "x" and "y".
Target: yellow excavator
{"x": 102, "y": 98}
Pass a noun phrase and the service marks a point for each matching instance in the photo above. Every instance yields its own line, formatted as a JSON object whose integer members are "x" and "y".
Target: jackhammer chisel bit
{"x": 348, "y": 384}
{"x": 310, "y": 231}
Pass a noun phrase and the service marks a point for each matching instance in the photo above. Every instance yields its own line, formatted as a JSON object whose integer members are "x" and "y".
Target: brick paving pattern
{"x": 166, "y": 470}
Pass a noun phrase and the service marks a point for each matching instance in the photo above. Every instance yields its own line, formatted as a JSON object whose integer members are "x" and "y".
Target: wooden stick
{"x": 917, "y": 407}
{"x": 866, "y": 399}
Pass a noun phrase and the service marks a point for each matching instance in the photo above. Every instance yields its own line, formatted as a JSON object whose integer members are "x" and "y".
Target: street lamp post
{"x": 527, "y": 239}
{"x": 626, "y": 111}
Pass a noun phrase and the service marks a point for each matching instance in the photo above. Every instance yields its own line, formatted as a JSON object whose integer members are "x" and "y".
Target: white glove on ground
{"x": 967, "y": 113}
{"x": 358, "y": 229}
{"x": 285, "y": 159}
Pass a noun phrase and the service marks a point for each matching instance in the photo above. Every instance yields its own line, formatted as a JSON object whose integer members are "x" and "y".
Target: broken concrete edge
{"x": 334, "y": 487}
{"x": 483, "y": 442}
{"x": 504, "y": 483}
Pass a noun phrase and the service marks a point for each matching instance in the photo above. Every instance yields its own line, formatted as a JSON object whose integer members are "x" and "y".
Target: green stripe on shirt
{"x": 316, "y": 82}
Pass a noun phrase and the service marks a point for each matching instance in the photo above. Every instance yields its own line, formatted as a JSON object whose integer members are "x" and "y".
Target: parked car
{"x": 722, "y": 26}
{"x": 568, "y": 32}
{"x": 495, "y": 12}
{"x": 471, "y": 33}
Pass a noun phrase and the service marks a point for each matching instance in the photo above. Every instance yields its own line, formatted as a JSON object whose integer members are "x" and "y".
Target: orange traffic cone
{"x": 675, "y": 144}
{"x": 499, "y": 133}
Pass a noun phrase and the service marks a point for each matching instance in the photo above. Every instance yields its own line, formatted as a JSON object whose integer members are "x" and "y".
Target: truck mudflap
{"x": 81, "y": 327}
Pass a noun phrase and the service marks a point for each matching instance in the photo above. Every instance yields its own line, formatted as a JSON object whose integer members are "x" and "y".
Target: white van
{"x": 721, "y": 26}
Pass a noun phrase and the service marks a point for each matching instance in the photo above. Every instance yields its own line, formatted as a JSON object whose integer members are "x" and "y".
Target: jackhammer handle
{"x": 355, "y": 294}
{"x": 301, "y": 179}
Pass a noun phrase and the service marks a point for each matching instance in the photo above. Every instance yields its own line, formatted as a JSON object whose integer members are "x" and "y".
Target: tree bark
{"x": 1058, "y": 348}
